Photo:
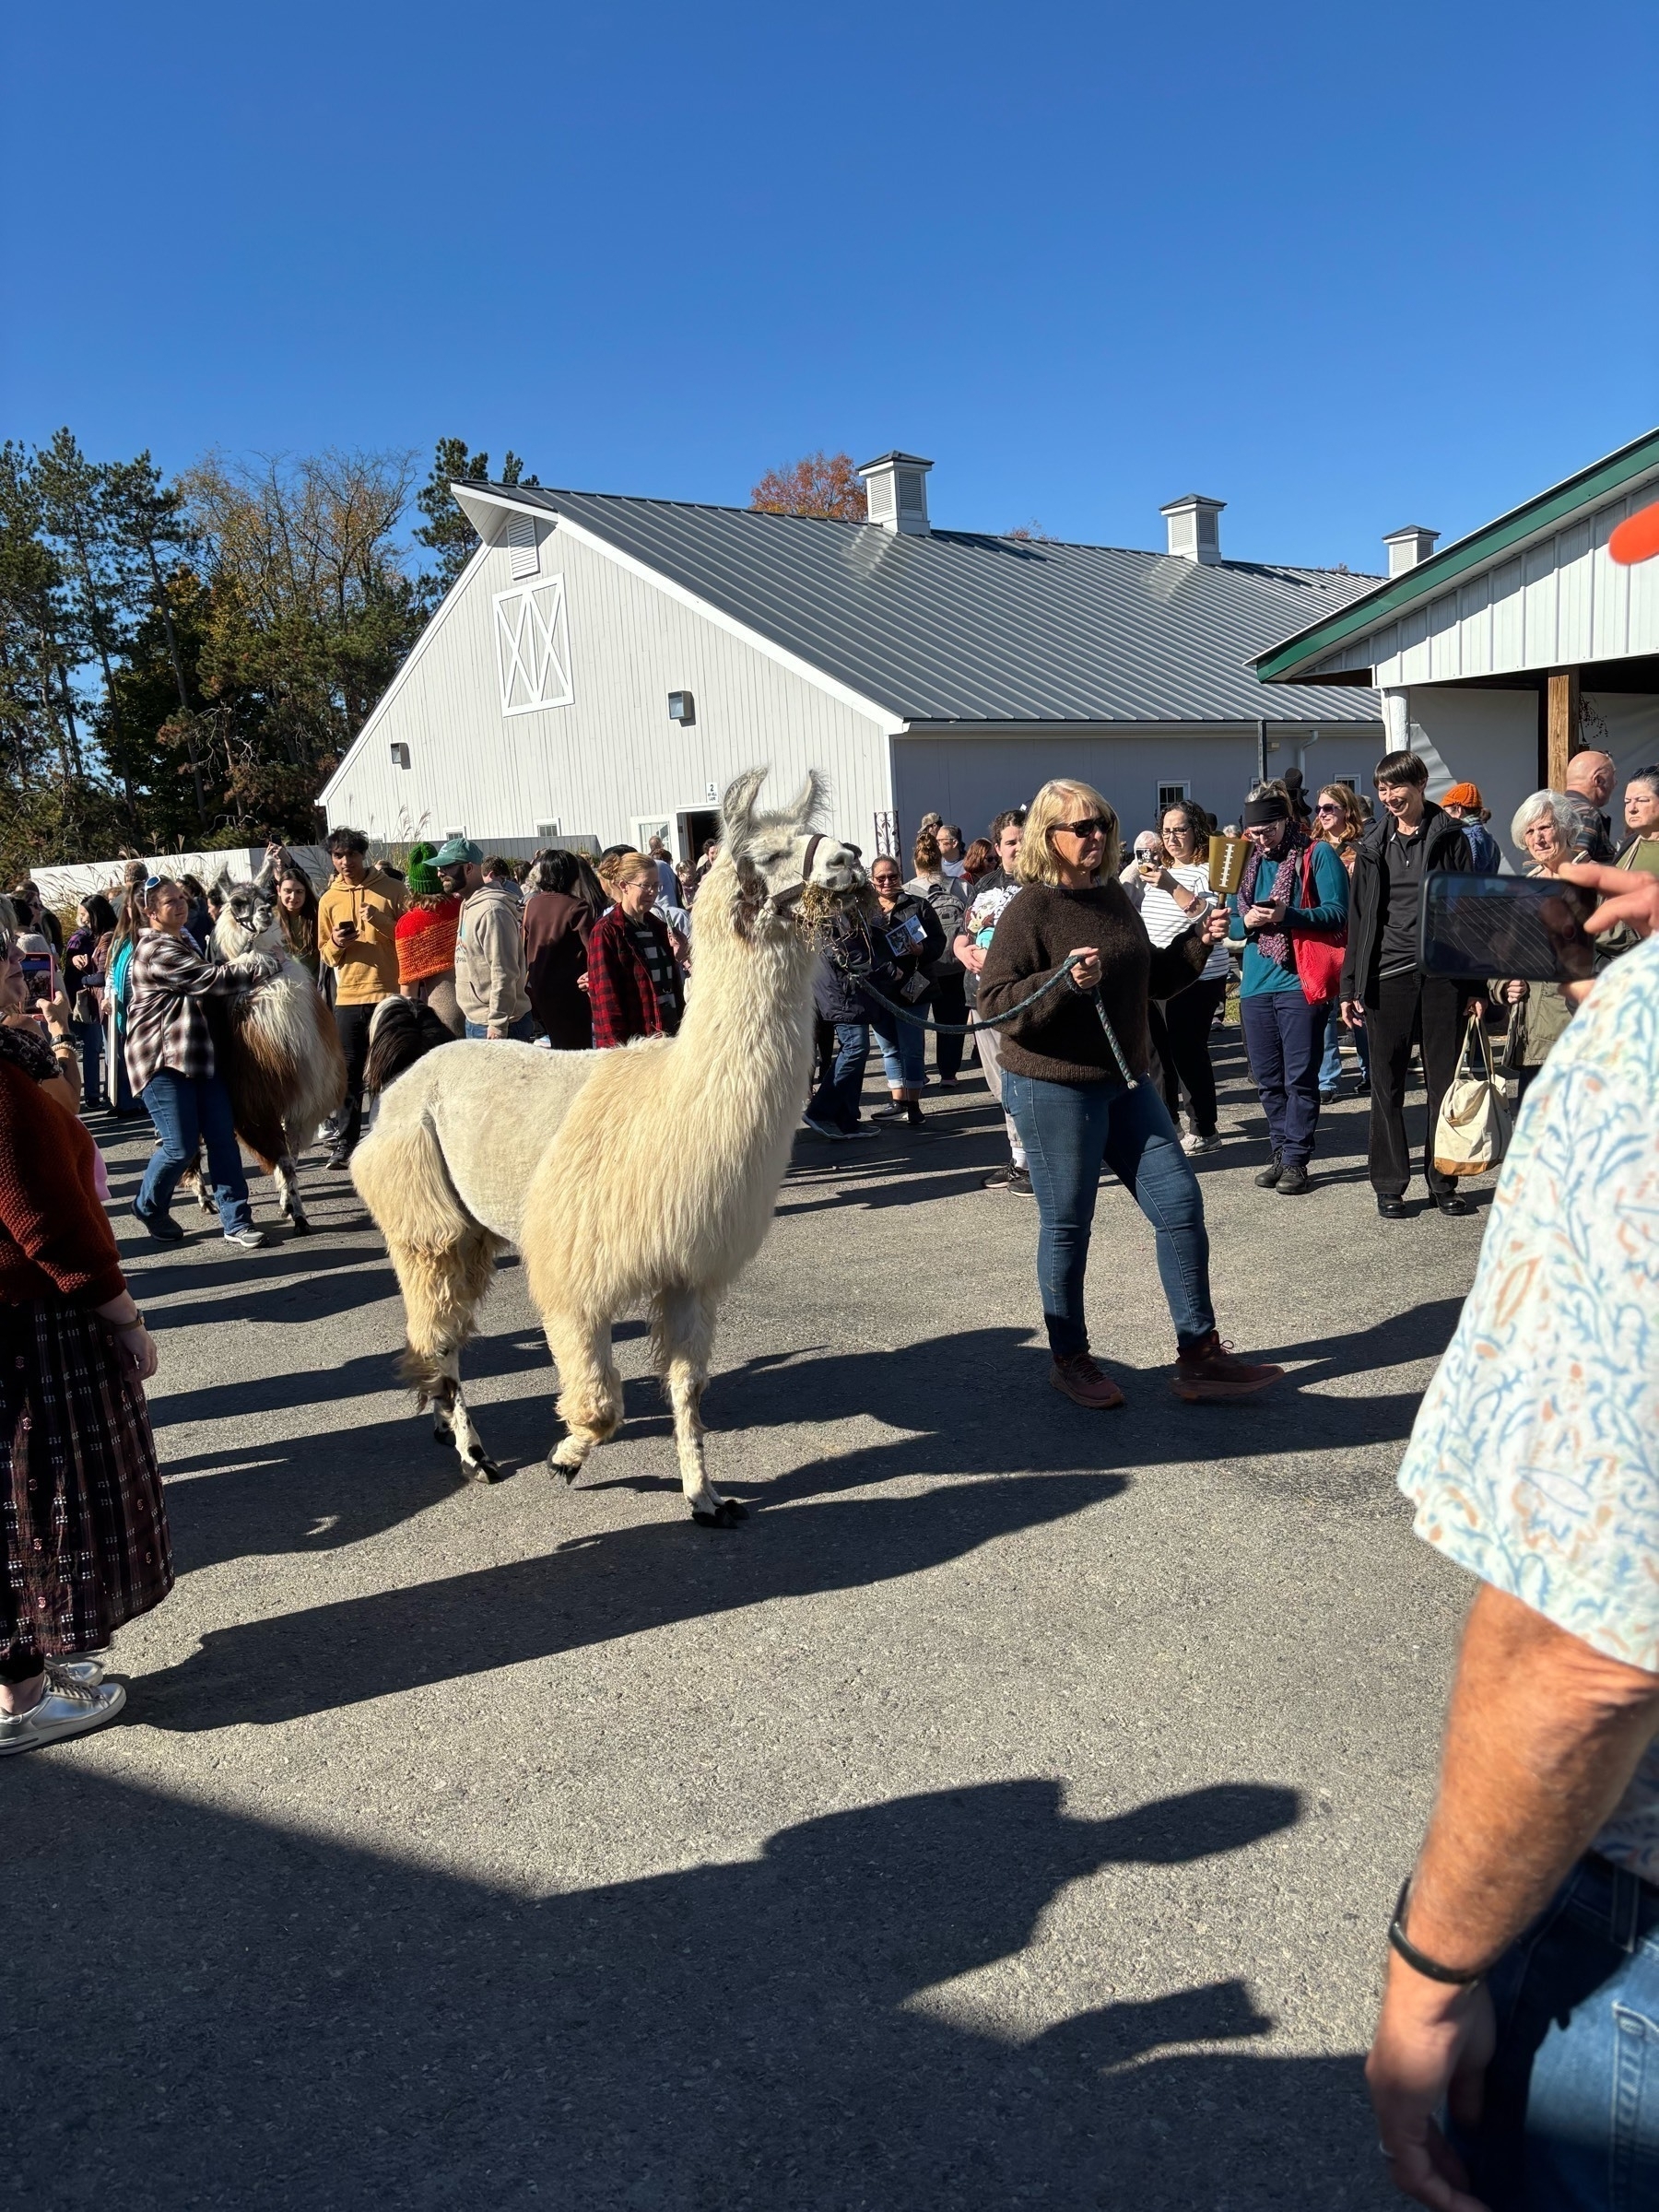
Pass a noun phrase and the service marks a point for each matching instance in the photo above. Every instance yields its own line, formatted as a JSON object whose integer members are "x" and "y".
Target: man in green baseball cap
{"x": 489, "y": 947}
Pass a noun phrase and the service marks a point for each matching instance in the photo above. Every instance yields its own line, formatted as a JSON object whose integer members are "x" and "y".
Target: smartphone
{"x": 39, "y": 982}
{"x": 1529, "y": 926}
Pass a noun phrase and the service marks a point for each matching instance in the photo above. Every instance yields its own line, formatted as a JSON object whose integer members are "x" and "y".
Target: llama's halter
{"x": 791, "y": 895}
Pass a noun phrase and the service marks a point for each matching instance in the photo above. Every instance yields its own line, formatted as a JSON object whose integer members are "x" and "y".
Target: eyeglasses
{"x": 1094, "y": 827}
{"x": 1327, "y": 806}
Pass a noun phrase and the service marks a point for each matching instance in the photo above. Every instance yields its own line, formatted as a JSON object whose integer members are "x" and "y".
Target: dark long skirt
{"x": 83, "y": 1526}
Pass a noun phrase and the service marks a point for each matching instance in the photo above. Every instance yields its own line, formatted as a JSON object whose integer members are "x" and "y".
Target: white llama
{"x": 641, "y": 1177}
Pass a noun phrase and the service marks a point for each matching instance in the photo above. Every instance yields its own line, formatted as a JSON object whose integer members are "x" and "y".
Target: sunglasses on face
{"x": 1325, "y": 807}
{"x": 1093, "y": 827}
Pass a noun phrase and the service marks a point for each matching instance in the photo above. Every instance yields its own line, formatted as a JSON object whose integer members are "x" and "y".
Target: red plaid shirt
{"x": 621, "y": 996}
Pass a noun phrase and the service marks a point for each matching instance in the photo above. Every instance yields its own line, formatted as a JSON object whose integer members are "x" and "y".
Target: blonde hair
{"x": 628, "y": 868}
{"x": 1353, "y": 821}
{"x": 1057, "y": 802}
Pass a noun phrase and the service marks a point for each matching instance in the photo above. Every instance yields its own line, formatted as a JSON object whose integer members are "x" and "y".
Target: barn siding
{"x": 611, "y": 757}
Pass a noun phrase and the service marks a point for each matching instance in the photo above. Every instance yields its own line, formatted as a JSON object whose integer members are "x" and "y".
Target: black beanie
{"x": 1273, "y": 806}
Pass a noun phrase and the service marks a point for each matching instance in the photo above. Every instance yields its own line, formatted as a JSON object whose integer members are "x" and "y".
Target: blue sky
{"x": 1345, "y": 267}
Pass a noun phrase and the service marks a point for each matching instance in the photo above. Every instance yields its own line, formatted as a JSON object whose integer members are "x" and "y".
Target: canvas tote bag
{"x": 1473, "y": 1132}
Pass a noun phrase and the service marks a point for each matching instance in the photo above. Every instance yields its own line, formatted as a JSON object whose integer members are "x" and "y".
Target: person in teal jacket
{"x": 1289, "y": 888}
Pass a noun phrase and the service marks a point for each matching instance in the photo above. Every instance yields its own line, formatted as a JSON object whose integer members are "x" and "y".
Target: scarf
{"x": 1274, "y": 943}
{"x": 28, "y": 1050}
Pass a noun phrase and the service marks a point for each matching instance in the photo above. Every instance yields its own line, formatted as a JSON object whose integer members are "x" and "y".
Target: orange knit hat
{"x": 1462, "y": 794}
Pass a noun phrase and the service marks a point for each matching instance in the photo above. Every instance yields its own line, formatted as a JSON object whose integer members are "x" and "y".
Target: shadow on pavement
{"x": 285, "y": 2022}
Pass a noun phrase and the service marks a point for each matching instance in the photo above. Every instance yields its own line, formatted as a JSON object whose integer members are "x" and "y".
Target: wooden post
{"x": 1564, "y": 723}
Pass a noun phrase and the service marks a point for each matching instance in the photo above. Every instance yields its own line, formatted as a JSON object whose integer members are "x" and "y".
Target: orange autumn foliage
{"x": 822, "y": 484}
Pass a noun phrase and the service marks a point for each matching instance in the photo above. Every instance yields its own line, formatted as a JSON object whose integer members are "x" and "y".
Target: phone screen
{"x": 1526, "y": 926}
{"x": 37, "y": 977}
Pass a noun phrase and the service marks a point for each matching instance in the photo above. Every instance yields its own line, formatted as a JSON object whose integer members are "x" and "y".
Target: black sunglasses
{"x": 1094, "y": 827}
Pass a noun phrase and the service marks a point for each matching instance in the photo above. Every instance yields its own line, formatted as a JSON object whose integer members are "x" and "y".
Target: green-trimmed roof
{"x": 1431, "y": 577}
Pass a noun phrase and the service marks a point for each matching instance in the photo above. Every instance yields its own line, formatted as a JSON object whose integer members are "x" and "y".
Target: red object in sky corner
{"x": 1636, "y": 538}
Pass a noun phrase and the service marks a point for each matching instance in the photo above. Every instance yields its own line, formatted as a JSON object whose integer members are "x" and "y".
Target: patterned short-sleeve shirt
{"x": 1535, "y": 1460}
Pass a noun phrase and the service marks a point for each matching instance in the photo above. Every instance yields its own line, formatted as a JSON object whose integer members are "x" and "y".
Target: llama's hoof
{"x": 482, "y": 1469}
{"x": 556, "y": 1466}
{"x": 301, "y": 1226}
{"x": 725, "y": 1515}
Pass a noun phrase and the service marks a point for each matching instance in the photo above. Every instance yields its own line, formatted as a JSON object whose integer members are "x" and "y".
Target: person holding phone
{"x": 1064, "y": 1085}
{"x": 908, "y": 941}
{"x": 356, "y": 927}
{"x": 1383, "y": 986}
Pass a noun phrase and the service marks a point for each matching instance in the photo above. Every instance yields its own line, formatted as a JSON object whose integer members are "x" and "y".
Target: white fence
{"x": 65, "y": 888}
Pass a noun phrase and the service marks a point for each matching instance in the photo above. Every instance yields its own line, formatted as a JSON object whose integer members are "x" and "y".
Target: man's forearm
{"x": 1543, "y": 1735}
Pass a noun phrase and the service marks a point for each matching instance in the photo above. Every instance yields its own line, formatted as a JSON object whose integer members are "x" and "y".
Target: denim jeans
{"x": 836, "y": 1099}
{"x": 1283, "y": 1035}
{"x": 1067, "y": 1130}
{"x": 524, "y": 1029}
{"x": 1330, "y": 1067}
{"x": 903, "y": 1047}
{"x": 88, "y": 1035}
{"x": 183, "y": 1112}
{"x": 1571, "y": 2116}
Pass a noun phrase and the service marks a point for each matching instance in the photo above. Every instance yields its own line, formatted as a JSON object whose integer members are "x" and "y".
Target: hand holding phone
{"x": 1528, "y": 927}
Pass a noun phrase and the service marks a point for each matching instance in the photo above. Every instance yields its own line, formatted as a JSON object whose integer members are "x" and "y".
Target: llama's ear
{"x": 813, "y": 797}
{"x": 224, "y": 887}
{"x": 738, "y": 808}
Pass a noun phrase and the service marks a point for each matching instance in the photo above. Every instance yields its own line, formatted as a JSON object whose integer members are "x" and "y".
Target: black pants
{"x": 1180, "y": 1037}
{"x": 352, "y": 1022}
{"x": 948, "y": 1002}
{"x": 1427, "y": 1010}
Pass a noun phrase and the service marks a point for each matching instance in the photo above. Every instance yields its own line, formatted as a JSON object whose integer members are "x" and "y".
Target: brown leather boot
{"x": 1081, "y": 1381}
{"x": 1207, "y": 1372}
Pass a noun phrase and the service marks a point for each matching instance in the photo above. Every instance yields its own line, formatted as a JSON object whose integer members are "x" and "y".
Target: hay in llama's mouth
{"x": 819, "y": 905}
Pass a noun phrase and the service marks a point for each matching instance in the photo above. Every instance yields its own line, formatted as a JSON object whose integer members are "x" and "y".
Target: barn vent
{"x": 522, "y": 544}
{"x": 1195, "y": 531}
{"x": 1409, "y": 546}
{"x": 896, "y": 484}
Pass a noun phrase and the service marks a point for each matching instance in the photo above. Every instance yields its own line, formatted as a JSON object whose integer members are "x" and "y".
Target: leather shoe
{"x": 1390, "y": 1207}
{"x": 1076, "y": 1376}
{"x": 1267, "y": 1176}
{"x": 1454, "y": 1204}
{"x": 1292, "y": 1181}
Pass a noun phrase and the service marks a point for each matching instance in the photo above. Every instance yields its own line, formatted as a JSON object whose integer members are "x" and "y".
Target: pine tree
{"x": 446, "y": 531}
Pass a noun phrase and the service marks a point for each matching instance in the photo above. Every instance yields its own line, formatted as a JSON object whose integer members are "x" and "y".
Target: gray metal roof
{"x": 957, "y": 627}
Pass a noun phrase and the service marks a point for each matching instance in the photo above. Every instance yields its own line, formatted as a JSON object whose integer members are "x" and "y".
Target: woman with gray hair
{"x": 1543, "y": 828}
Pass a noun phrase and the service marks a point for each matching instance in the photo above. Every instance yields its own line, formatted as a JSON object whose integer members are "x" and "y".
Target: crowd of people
{"x": 1091, "y": 989}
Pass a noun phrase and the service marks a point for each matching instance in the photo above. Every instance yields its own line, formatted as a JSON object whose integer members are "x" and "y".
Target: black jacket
{"x": 1447, "y": 851}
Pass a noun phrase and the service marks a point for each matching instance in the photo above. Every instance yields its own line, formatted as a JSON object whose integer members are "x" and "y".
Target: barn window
{"x": 522, "y": 544}
{"x": 1171, "y": 795}
{"x": 533, "y": 647}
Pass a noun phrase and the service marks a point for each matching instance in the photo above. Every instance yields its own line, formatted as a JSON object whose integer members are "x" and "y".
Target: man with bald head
{"x": 1588, "y": 784}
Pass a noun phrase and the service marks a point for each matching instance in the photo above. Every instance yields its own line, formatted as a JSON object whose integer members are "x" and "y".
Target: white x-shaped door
{"x": 533, "y": 647}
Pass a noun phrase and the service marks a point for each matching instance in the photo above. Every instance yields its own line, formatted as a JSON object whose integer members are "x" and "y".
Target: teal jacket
{"x": 1331, "y": 891}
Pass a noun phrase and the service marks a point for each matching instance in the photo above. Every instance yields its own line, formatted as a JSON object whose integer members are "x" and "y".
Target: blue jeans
{"x": 1283, "y": 1035}
{"x": 1572, "y": 2115}
{"x": 836, "y": 1099}
{"x": 1330, "y": 1067}
{"x": 183, "y": 1112}
{"x": 1067, "y": 1130}
{"x": 89, "y": 1036}
{"x": 524, "y": 1029}
{"x": 904, "y": 1046}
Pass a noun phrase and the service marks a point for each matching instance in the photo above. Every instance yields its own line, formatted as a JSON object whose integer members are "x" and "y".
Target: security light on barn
{"x": 682, "y": 707}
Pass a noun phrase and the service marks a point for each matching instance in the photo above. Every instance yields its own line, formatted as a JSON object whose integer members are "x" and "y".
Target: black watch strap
{"x": 1419, "y": 1961}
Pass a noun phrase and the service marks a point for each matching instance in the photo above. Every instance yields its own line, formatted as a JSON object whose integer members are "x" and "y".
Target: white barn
{"x": 605, "y": 665}
{"x": 1499, "y": 656}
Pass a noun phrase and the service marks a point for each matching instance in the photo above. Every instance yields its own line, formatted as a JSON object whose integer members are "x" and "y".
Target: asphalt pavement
{"x": 1008, "y": 1814}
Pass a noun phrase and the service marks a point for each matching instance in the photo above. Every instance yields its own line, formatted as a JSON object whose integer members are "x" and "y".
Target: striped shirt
{"x": 166, "y": 1019}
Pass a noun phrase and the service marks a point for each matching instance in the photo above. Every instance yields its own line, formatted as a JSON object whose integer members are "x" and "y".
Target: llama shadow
{"x": 590, "y": 1591}
{"x": 302, "y": 2023}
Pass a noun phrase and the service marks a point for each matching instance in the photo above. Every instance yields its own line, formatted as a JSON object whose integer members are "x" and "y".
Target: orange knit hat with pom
{"x": 1462, "y": 794}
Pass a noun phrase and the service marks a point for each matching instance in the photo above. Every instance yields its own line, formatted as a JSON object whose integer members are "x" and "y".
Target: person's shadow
{"x": 286, "y": 2022}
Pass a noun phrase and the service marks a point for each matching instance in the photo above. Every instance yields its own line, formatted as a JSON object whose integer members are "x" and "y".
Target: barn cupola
{"x": 1194, "y": 534}
{"x": 896, "y": 484}
{"x": 1409, "y": 547}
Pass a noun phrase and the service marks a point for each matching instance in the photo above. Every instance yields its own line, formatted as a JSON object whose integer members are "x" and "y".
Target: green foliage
{"x": 446, "y": 531}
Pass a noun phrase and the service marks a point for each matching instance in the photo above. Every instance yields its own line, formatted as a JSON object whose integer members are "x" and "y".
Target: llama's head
{"x": 247, "y": 920}
{"x": 781, "y": 855}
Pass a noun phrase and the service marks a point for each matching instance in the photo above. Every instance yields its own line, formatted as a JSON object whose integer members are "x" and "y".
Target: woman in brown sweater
{"x": 1063, "y": 1071}
{"x": 83, "y": 1529}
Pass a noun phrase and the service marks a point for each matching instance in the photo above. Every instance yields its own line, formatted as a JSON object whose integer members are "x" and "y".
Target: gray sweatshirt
{"x": 489, "y": 957}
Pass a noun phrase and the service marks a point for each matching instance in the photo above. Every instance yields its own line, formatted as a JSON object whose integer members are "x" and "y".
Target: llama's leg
{"x": 289, "y": 1202}
{"x": 682, "y": 1336}
{"x": 590, "y": 1389}
{"x": 442, "y": 1290}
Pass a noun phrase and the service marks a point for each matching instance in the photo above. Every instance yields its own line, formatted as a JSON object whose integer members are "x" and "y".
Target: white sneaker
{"x": 250, "y": 1239}
{"x": 1192, "y": 1143}
{"x": 64, "y": 1708}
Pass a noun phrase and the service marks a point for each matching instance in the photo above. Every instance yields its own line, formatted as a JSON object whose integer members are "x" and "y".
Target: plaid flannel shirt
{"x": 621, "y": 997}
{"x": 166, "y": 1020}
